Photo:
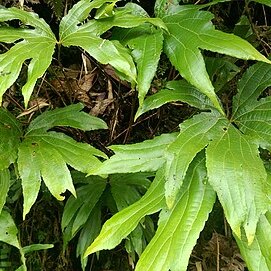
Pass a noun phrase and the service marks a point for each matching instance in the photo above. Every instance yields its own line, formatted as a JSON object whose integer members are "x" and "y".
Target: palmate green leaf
{"x": 4, "y": 186}
{"x": 258, "y": 255}
{"x": 35, "y": 160}
{"x": 125, "y": 221}
{"x": 238, "y": 176}
{"x": 8, "y": 233}
{"x": 179, "y": 228}
{"x": 176, "y": 91}
{"x": 29, "y": 44}
{"x": 195, "y": 134}
{"x": 251, "y": 114}
{"x": 146, "y": 44}
{"x": 192, "y": 30}
{"x": 73, "y": 31}
{"x": 147, "y": 156}
{"x": 45, "y": 154}
{"x": 11, "y": 132}
{"x": 233, "y": 164}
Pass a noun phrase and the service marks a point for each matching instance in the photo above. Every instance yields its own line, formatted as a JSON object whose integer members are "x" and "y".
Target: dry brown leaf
{"x": 35, "y": 105}
{"x": 111, "y": 72}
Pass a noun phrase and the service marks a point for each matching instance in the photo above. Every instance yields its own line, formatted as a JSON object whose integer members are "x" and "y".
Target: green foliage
{"x": 188, "y": 31}
{"x": 8, "y": 234}
{"x": 43, "y": 154}
{"x": 213, "y": 154}
{"x": 73, "y": 30}
{"x": 4, "y": 184}
{"x": 84, "y": 212}
{"x": 234, "y": 168}
{"x": 30, "y": 43}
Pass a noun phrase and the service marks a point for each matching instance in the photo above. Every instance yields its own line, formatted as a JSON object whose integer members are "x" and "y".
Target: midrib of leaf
{"x": 195, "y": 134}
{"x": 240, "y": 181}
{"x": 179, "y": 227}
{"x": 78, "y": 13}
{"x": 117, "y": 228}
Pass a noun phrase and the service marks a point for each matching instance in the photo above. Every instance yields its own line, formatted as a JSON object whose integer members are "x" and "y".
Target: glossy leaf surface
{"x": 195, "y": 134}
{"x": 237, "y": 174}
{"x": 87, "y": 35}
{"x": 175, "y": 91}
{"x": 146, "y": 44}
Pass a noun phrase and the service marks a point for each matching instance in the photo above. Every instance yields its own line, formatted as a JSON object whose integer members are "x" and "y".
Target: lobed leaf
{"x": 81, "y": 156}
{"x": 125, "y": 221}
{"x": 29, "y": 44}
{"x": 37, "y": 159}
{"x": 74, "y": 31}
{"x": 76, "y": 15}
{"x": 238, "y": 176}
{"x": 179, "y": 228}
{"x": 45, "y": 154}
{"x": 192, "y": 30}
{"x": 147, "y": 156}
{"x": 11, "y": 132}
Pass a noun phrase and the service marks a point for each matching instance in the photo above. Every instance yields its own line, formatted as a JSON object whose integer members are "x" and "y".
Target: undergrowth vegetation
{"x": 141, "y": 128}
